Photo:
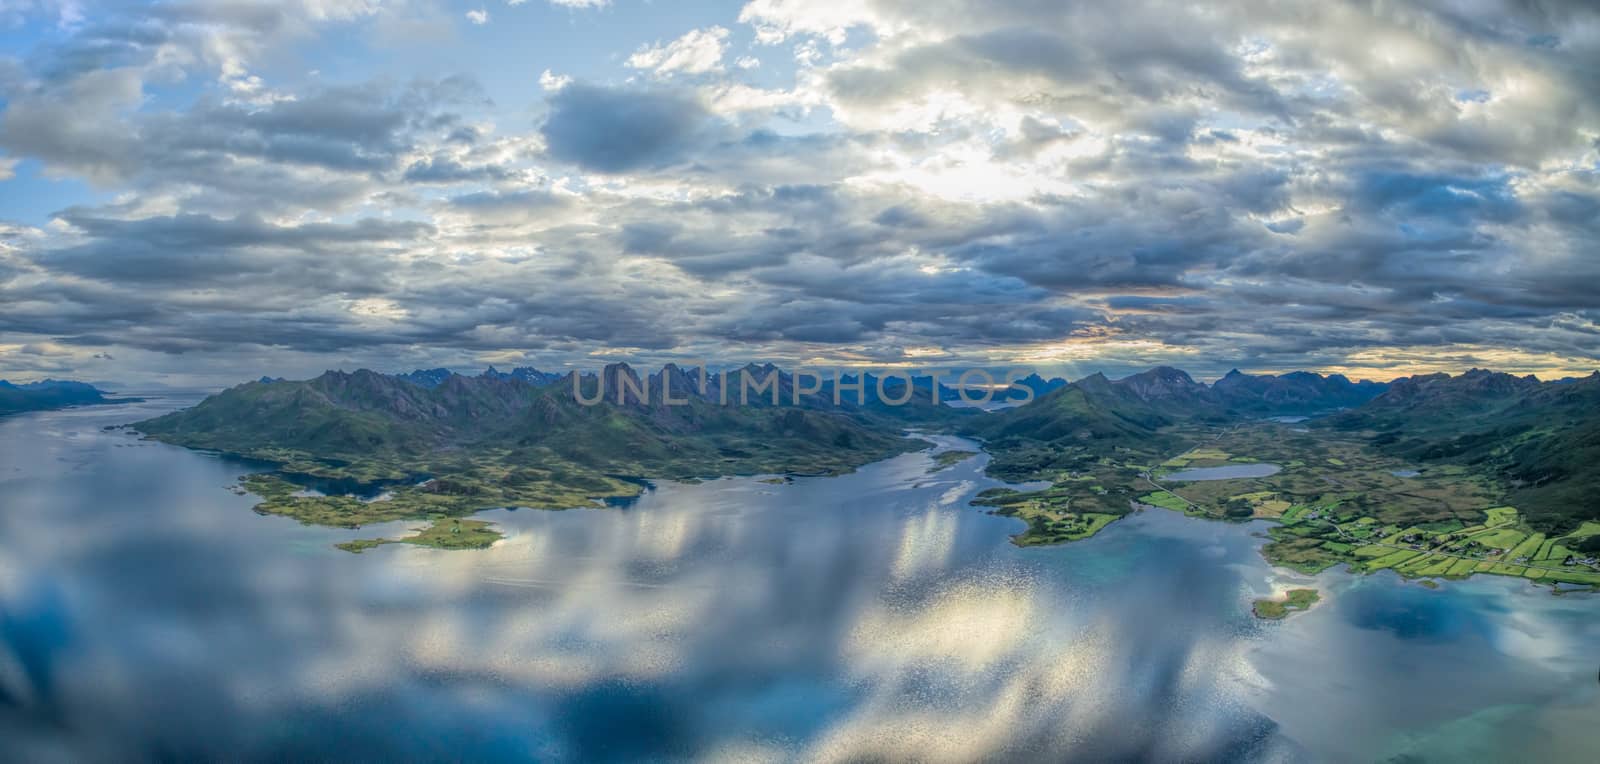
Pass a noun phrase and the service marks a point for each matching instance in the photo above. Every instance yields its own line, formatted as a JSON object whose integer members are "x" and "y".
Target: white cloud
{"x": 808, "y": 53}
{"x": 697, "y": 52}
{"x": 778, "y": 20}
{"x": 479, "y": 17}
{"x": 748, "y": 62}
{"x": 575, "y": 3}
{"x": 550, "y": 81}
{"x": 340, "y": 10}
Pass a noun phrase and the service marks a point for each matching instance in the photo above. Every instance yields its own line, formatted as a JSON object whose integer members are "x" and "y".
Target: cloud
{"x": 614, "y": 130}
{"x": 550, "y": 81}
{"x": 478, "y": 17}
{"x": 520, "y": 207}
{"x": 195, "y": 250}
{"x": 1066, "y": 183}
{"x": 698, "y": 52}
{"x": 324, "y": 147}
{"x": 778, "y": 20}
{"x": 76, "y": 128}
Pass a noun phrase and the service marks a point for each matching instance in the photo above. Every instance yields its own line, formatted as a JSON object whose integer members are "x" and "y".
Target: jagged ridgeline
{"x": 369, "y": 426}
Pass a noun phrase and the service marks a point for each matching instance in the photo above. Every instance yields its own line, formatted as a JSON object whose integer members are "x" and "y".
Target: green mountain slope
{"x": 368, "y": 425}
{"x": 1541, "y": 439}
{"x": 1073, "y": 428}
{"x": 468, "y": 443}
{"x": 1080, "y": 423}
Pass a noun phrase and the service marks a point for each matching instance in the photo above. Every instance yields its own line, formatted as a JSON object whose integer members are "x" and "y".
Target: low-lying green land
{"x": 1049, "y": 514}
{"x": 1075, "y": 507}
{"x": 462, "y": 493}
{"x": 947, "y": 459}
{"x": 1430, "y": 476}
{"x": 1295, "y": 600}
{"x": 458, "y": 494}
{"x": 1336, "y": 501}
{"x": 444, "y": 533}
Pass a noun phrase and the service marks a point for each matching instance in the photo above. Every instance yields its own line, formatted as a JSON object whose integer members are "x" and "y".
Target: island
{"x": 1294, "y": 600}
{"x": 445, "y": 533}
{"x": 947, "y": 459}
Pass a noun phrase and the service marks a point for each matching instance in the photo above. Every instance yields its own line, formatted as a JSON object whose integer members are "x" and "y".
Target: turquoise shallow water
{"x": 145, "y": 612}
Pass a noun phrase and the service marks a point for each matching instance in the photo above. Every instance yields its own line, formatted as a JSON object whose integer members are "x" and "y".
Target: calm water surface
{"x": 146, "y": 612}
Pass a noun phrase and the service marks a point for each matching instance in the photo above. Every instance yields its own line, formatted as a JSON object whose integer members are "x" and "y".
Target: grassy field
{"x": 1500, "y": 515}
{"x": 1165, "y": 501}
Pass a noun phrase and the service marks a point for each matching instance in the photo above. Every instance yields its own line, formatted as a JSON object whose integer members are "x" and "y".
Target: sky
{"x": 197, "y": 193}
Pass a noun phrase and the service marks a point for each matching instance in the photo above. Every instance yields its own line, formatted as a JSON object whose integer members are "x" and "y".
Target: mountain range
{"x": 1539, "y": 439}
{"x": 47, "y": 394}
{"x": 686, "y": 381}
{"x": 1077, "y": 423}
{"x": 1296, "y": 392}
{"x": 374, "y": 424}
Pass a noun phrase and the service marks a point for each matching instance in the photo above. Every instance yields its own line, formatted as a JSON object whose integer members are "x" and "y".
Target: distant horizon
{"x": 107, "y": 385}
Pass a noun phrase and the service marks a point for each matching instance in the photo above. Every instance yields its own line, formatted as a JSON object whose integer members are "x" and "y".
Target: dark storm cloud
{"x": 614, "y": 130}
{"x": 196, "y": 249}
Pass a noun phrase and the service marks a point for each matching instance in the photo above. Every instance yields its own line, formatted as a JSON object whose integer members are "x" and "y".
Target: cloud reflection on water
{"x": 143, "y": 608}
